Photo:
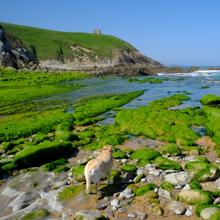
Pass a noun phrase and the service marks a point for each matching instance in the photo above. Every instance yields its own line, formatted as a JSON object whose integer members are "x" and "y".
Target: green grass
{"x": 47, "y": 42}
{"x": 94, "y": 106}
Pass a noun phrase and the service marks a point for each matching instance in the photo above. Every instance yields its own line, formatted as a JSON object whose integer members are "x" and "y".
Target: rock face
{"x": 13, "y": 53}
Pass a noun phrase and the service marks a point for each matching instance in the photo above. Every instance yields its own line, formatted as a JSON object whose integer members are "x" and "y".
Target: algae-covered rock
{"x": 166, "y": 164}
{"x": 202, "y": 170}
{"x": 129, "y": 168}
{"x": 171, "y": 150}
{"x": 195, "y": 197}
{"x": 167, "y": 186}
{"x": 144, "y": 189}
{"x": 207, "y": 211}
{"x": 89, "y": 215}
{"x": 145, "y": 155}
{"x": 211, "y": 100}
{"x": 78, "y": 173}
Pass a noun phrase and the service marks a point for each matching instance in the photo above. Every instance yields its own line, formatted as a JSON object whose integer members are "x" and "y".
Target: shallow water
{"x": 176, "y": 83}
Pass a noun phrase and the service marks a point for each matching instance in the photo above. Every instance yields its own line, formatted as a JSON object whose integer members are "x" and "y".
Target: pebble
{"x": 115, "y": 204}
{"x": 102, "y": 204}
{"x": 189, "y": 211}
{"x": 141, "y": 215}
{"x": 132, "y": 215}
{"x": 177, "y": 207}
{"x": 126, "y": 194}
{"x": 124, "y": 160}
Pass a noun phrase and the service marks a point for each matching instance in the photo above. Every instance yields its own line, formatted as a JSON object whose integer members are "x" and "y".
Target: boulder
{"x": 181, "y": 178}
{"x": 207, "y": 213}
{"x": 195, "y": 197}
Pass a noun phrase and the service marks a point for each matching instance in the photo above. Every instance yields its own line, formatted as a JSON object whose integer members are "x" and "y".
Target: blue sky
{"x": 181, "y": 32}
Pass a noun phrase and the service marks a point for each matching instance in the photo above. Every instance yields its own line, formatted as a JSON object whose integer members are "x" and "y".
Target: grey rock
{"x": 132, "y": 215}
{"x": 115, "y": 204}
{"x": 177, "y": 207}
{"x": 208, "y": 212}
{"x": 24, "y": 200}
{"x": 181, "y": 178}
{"x": 189, "y": 211}
{"x": 88, "y": 215}
{"x": 164, "y": 193}
{"x": 141, "y": 215}
{"x": 126, "y": 194}
{"x": 102, "y": 204}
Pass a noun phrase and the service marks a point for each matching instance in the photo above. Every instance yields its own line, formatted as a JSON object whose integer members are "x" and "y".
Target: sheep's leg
{"x": 88, "y": 185}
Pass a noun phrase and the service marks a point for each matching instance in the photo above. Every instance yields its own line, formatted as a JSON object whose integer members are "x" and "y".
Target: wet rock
{"x": 89, "y": 215}
{"x": 208, "y": 212}
{"x": 177, "y": 207}
{"x": 59, "y": 184}
{"x": 23, "y": 200}
{"x": 102, "y": 204}
{"x": 189, "y": 211}
{"x": 181, "y": 178}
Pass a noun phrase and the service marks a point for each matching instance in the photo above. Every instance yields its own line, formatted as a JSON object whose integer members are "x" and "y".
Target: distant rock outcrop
{"x": 13, "y": 53}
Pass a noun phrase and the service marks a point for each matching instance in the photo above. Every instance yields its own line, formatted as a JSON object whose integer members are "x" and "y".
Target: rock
{"x": 217, "y": 200}
{"x": 195, "y": 197}
{"x": 164, "y": 193}
{"x": 189, "y": 211}
{"x": 115, "y": 204}
{"x": 23, "y": 200}
{"x": 141, "y": 215}
{"x": 102, "y": 204}
{"x": 126, "y": 194}
{"x": 138, "y": 178}
{"x": 177, "y": 207}
{"x": 181, "y": 178}
{"x": 88, "y": 215}
{"x": 59, "y": 184}
{"x": 9, "y": 192}
{"x": 155, "y": 172}
{"x": 187, "y": 186}
{"x": 208, "y": 212}
{"x": 132, "y": 215}
{"x": 124, "y": 160}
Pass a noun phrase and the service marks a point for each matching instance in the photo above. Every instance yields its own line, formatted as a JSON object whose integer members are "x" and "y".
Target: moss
{"x": 167, "y": 186}
{"x": 191, "y": 150}
{"x": 210, "y": 100}
{"x": 69, "y": 192}
{"x": 145, "y": 155}
{"x": 166, "y": 164}
{"x": 147, "y": 80}
{"x": 199, "y": 208}
{"x": 9, "y": 167}
{"x": 118, "y": 154}
{"x": 115, "y": 176}
{"x": 36, "y": 215}
{"x": 171, "y": 150}
{"x": 215, "y": 216}
{"x": 144, "y": 189}
{"x": 195, "y": 197}
{"x": 157, "y": 121}
{"x": 78, "y": 173}
{"x": 56, "y": 166}
{"x": 95, "y": 106}
{"x": 34, "y": 155}
{"x": 129, "y": 168}
{"x": 195, "y": 185}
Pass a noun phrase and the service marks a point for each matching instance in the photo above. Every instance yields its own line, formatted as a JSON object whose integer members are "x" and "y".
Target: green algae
{"x": 144, "y": 156}
{"x": 157, "y": 121}
{"x": 93, "y": 106}
{"x": 69, "y": 192}
{"x": 166, "y": 164}
{"x": 144, "y": 189}
{"x": 210, "y": 100}
{"x": 171, "y": 150}
{"x": 129, "y": 168}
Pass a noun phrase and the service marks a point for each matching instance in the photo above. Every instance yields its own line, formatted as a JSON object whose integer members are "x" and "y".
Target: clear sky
{"x": 181, "y": 32}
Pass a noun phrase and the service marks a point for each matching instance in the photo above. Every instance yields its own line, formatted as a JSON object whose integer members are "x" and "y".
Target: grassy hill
{"x": 48, "y": 42}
